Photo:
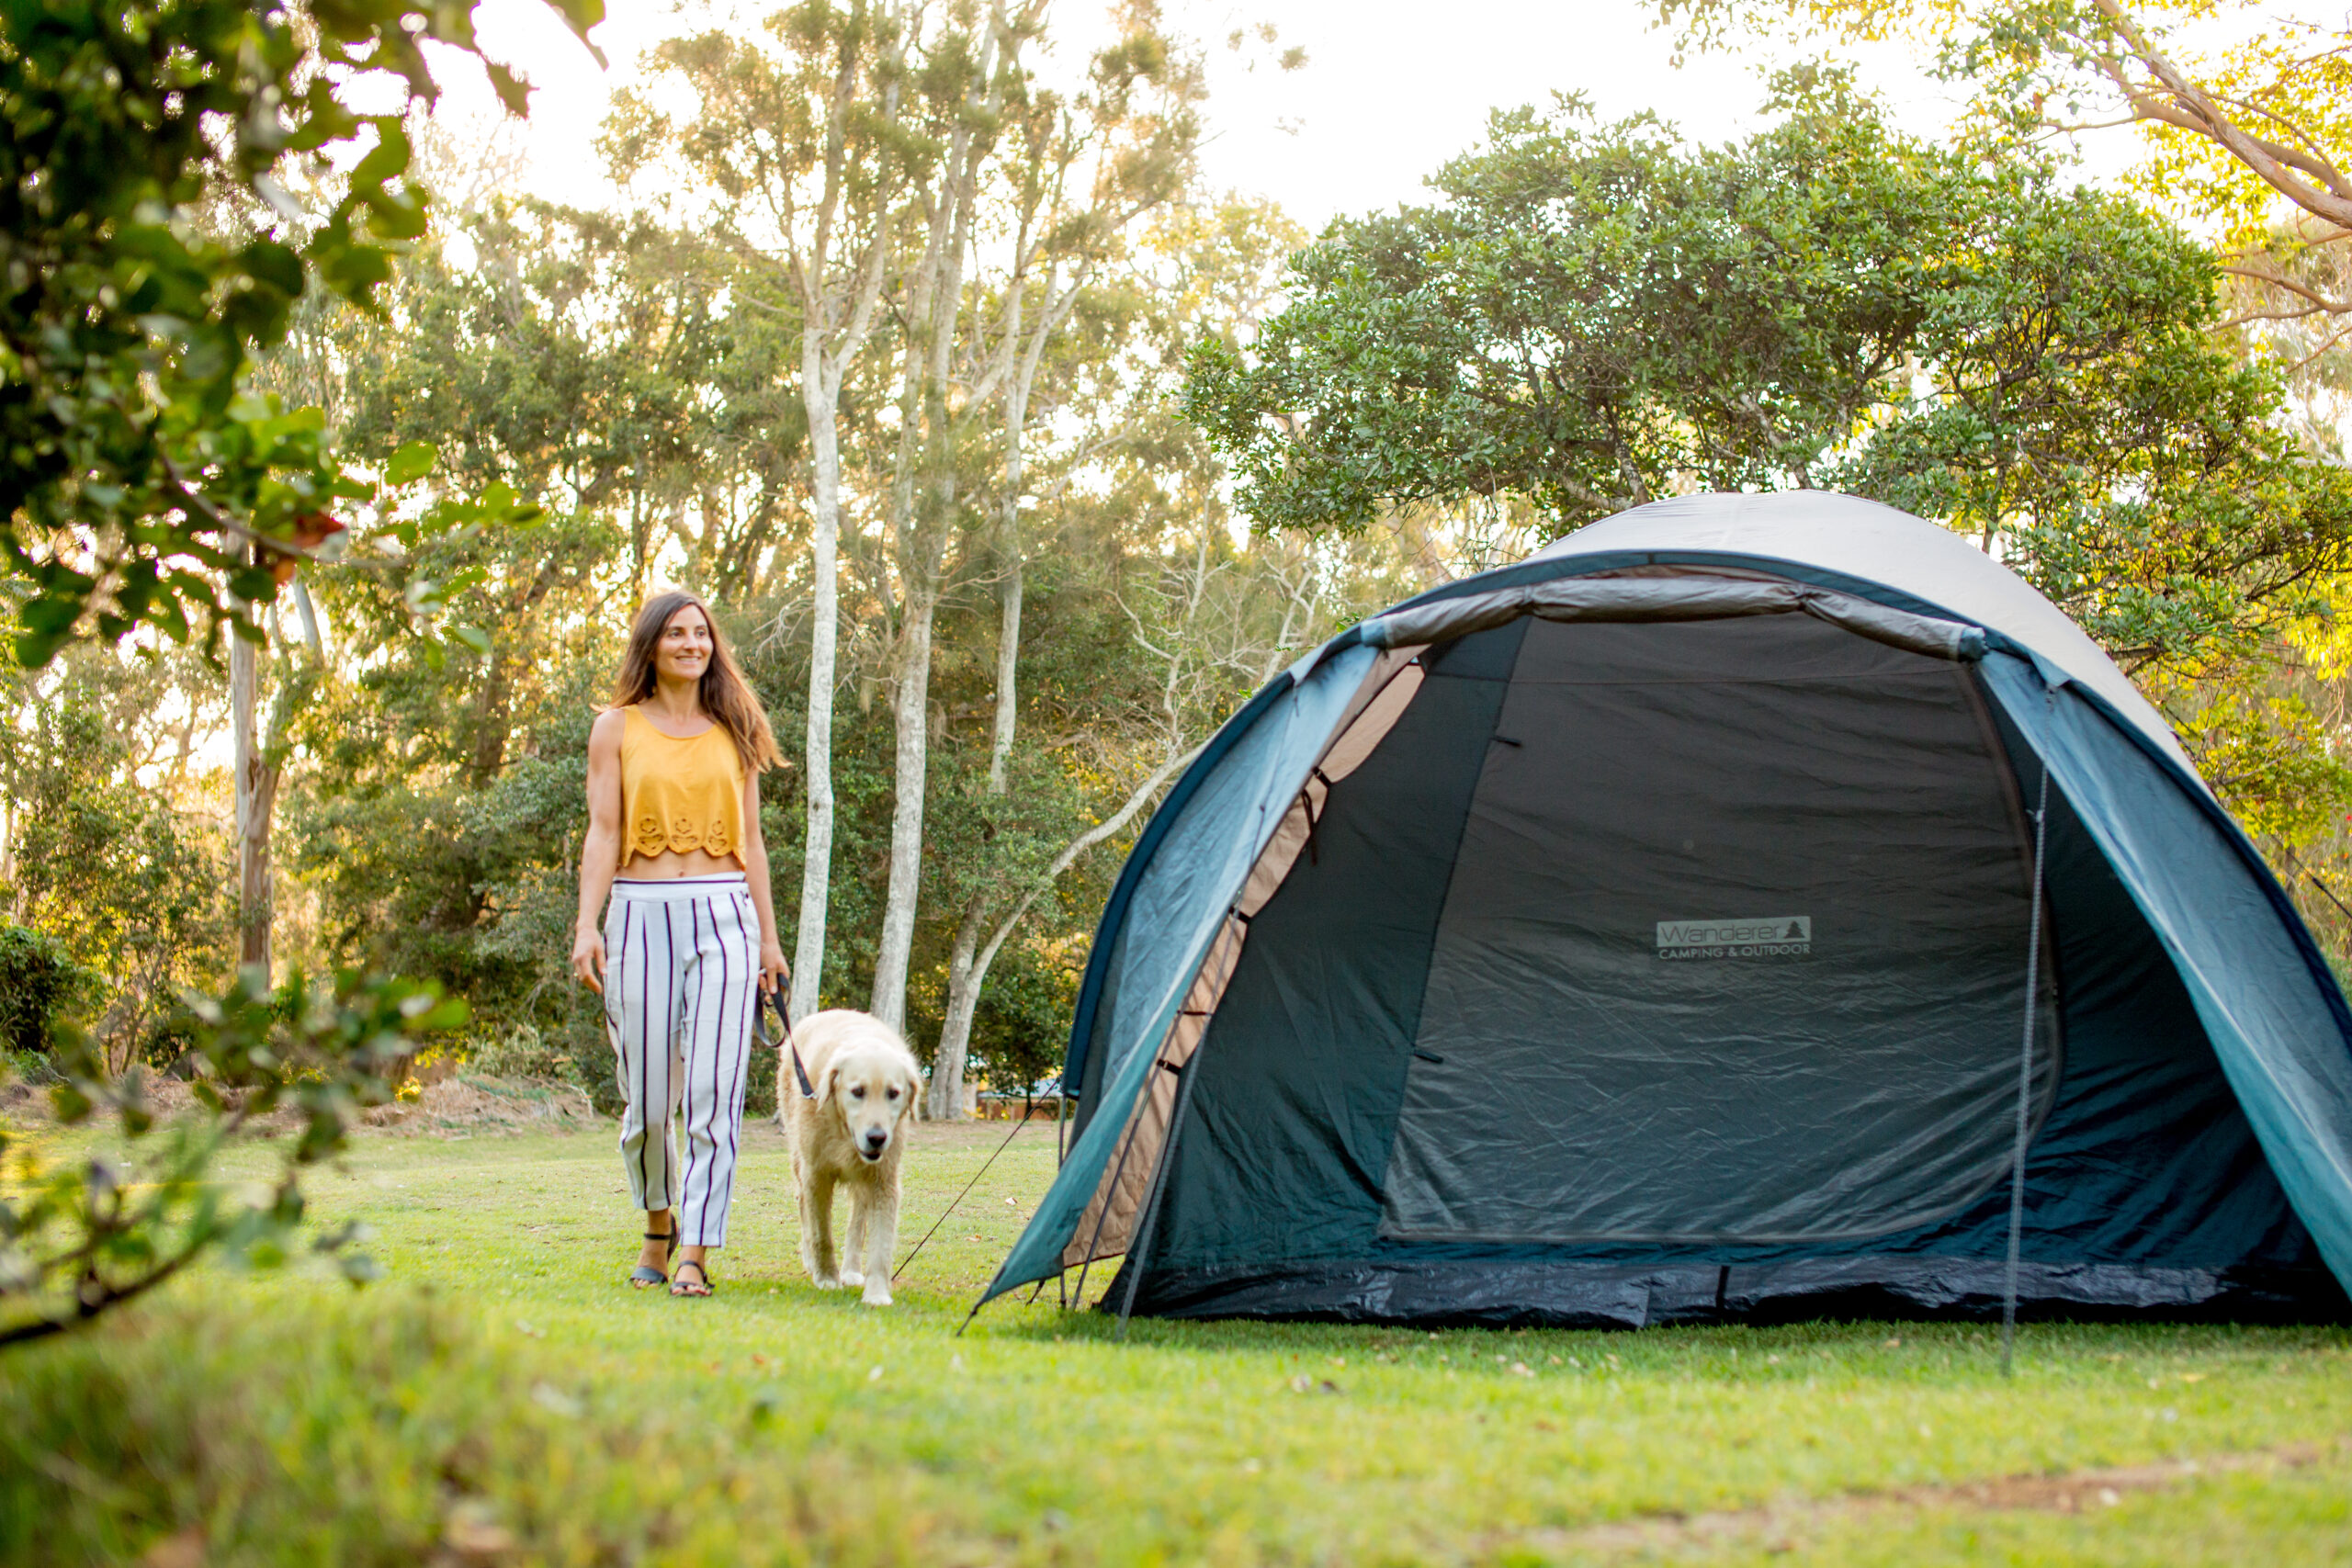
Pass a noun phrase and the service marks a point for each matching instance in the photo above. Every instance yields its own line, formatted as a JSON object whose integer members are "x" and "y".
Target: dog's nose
{"x": 875, "y": 1138}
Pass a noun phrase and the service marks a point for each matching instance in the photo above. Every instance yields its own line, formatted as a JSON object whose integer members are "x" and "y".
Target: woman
{"x": 674, "y": 836}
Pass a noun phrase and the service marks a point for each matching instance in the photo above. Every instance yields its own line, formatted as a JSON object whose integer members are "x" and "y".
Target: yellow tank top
{"x": 678, "y": 794}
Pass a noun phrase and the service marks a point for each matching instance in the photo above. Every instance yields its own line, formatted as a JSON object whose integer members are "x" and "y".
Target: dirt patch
{"x": 469, "y": 1104}
{"x": 459, "y": 1105}
{"x": 1782, "y": 1526}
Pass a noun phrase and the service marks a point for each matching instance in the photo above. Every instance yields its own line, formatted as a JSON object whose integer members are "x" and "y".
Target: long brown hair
{"x": 724, "y": 694}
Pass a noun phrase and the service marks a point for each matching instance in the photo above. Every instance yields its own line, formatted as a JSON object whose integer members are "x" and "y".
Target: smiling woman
{"x": 674, "y": 801}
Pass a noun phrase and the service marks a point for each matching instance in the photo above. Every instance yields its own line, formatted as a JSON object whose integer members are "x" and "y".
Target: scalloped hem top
{"x": 678, "y": 794}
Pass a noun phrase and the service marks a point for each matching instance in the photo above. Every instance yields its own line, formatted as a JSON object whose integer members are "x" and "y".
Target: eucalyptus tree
{"x": 1120, "y": 483}
{"x": 970, "y": 61}
{"x": 796, "y": 137}
{"x": 1036, "y": 192}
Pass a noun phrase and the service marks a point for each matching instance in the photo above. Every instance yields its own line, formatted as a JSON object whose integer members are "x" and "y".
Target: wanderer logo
{"x": 1760, "y": 936}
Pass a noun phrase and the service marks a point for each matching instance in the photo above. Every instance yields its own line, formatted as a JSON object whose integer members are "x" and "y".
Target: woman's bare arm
{"x": 774, "y": 970}
{"x": 600, "y": 854}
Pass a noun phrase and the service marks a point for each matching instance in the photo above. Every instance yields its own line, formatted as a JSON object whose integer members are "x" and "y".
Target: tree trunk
{"x": 256, "y": 794}
{"x": 1008, "y": 657}
{"x": 924, "y": 523}
{"x": 944, "y": 1100}
{"x": 817, "y": 855}
{"x": 837, "y": 312}
{"x": 1016, "y": 418}
{"x": 8, "y": 860}
{"x": 910, "y": 709}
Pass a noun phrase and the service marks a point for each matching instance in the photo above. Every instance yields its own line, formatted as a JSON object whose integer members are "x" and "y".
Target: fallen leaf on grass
{"x": 547, "y": 1397}
{"x": 184, "y": 1549}
{"x": 474, "y": 1533}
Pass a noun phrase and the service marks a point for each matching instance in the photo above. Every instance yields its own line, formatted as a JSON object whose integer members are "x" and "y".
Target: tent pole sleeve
{"x": 1142, "y": 1247}
{"x": 1126, "y": 1148}
{"x": 2025, "y": 1076}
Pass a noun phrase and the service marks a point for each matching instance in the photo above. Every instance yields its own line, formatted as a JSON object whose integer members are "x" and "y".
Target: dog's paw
{"x": 851, "y": 1279}
{"x": 825, "y": 1281}
{"x": 878, "y": 1294}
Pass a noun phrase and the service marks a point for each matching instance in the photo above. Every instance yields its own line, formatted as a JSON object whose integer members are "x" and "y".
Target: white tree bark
{"x": 967, "y": 969}
{"x": 820, "y": 396}
{"x": 255, "y": 792}
{"x": 838, "y": 305}
{"x": 926, "y": 521}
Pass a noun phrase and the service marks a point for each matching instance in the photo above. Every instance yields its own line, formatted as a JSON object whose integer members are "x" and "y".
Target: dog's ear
{"x": 914, "y": 1098}
{"x": 825, "y": 1082}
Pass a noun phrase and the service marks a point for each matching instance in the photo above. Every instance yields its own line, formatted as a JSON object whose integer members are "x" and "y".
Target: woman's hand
{"x": 588, "y": 958}
{"x": 774, "y": 970}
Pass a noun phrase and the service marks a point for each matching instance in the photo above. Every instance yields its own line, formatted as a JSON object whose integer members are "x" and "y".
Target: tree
{"x": 142, "y": 475}
{"x": 2238, "y": 120}
{"x": 1108, "y": 383}
{"x": 1128, "y": 143}
{"x": 801, "y": 143}
{"x": 1595, "y": 316}
{"x": 126, "y": 878}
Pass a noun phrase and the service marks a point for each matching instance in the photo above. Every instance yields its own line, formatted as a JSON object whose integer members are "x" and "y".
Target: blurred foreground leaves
{"x": 79, "y": 1236}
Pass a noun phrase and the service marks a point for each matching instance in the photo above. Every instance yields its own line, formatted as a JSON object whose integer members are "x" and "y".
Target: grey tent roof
{"x": 1865, "y": 542}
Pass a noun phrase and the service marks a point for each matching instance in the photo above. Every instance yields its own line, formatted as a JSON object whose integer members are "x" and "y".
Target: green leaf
{"x": 412, "y": 463}
{"x": 513, "y": 91}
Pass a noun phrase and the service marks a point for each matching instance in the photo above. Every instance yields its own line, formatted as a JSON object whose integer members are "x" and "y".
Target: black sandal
{"x": 645, "y": 1274}
{"x": 680, "y": 1287}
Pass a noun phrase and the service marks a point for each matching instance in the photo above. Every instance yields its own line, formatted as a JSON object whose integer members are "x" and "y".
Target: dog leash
{"x": 784, "y": 1016}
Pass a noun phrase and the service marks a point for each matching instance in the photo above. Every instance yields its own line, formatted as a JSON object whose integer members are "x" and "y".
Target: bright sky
{"x": 1390, "y": 90}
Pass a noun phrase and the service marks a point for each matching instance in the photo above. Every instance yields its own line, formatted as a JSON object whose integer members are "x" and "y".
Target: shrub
{"x": 41, "y": 990}
{"x": 521, "y": 1052}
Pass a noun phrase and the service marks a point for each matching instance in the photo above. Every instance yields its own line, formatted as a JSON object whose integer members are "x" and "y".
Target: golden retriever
{"x": 850, "y": 1134}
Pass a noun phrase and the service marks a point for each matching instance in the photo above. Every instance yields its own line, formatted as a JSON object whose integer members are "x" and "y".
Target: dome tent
{"x": 1640, "y": 933}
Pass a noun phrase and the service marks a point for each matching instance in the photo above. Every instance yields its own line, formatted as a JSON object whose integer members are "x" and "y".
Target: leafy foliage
{"x": 78, "y": 1238}
{"x": 40, "y": 985}
{"x": 1597, "y": 316}
{"x": 2240, "y": 103}
{"x": 127, "y": 882}
{"x": 150, "y": 253}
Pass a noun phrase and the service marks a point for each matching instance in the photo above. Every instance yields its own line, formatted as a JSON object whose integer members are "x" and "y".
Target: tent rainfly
{"x": 1647, "y": 933}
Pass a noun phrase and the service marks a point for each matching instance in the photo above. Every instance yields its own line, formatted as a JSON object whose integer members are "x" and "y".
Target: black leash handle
{"x": 775, "y": 998}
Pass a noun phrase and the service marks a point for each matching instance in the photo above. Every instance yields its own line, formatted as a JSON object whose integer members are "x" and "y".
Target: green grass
{"x": 500, "y": 1398}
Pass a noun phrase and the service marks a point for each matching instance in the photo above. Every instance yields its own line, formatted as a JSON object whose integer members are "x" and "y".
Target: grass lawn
{"x": 501, "y": 1398}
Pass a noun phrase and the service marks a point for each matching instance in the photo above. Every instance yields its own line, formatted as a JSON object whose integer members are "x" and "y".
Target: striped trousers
{"x": 681, "y": 963}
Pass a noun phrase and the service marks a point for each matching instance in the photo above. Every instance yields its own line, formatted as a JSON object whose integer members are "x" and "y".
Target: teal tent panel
{"x": 1176, "y": 911}
{"x": 2275, "y": 1018}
